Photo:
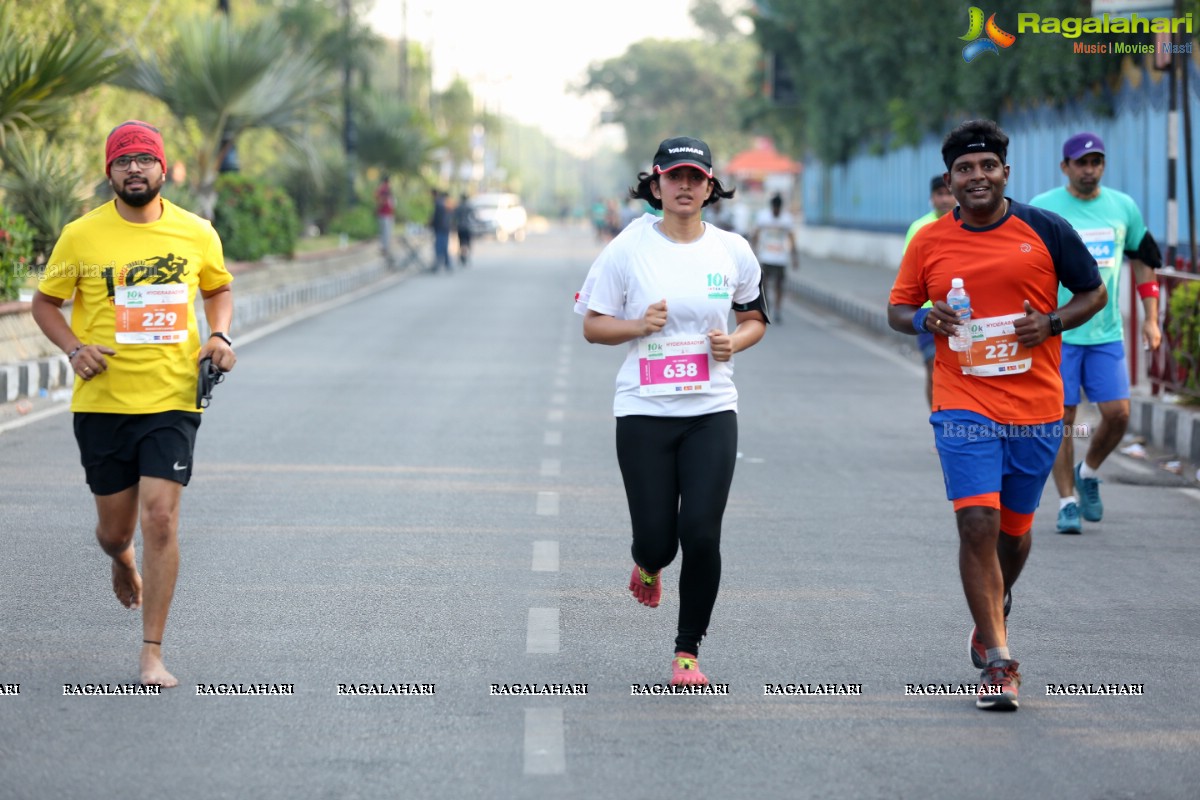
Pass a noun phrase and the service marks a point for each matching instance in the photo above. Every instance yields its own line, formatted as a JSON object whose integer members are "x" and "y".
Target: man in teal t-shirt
{"x": 1093, "y": 355}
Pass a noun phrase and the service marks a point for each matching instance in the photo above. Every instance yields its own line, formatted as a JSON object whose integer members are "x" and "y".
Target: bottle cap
{"x": 956, "y": 283}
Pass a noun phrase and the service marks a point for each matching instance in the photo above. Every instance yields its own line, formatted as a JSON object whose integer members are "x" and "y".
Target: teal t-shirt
{"x": 1109, "y": 225}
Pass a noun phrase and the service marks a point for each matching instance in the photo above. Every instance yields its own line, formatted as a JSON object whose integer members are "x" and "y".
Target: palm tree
{"x": 225, "y": 80}
{"x": 37, "y": 81}
{"x": 43, "y": 184}
{"x": 393, "y": 135}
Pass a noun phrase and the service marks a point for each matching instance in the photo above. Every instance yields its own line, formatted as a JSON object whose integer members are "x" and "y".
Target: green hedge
{"x": 254, "y": 220}
{"x": 1184, "y": 329}
{"x": 16, "y": 253}
{"x": 358, "y": 223}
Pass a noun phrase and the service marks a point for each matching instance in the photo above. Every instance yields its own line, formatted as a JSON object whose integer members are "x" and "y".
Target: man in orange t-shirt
{"x": 997, "y": 407}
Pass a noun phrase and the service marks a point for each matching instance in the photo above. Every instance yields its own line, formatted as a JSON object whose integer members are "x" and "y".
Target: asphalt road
{"x": 420, "y": 487}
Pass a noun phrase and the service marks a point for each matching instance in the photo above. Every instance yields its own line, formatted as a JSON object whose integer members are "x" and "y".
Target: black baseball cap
{"x": 683, "y": 151}
{"x": 937, "y": 182}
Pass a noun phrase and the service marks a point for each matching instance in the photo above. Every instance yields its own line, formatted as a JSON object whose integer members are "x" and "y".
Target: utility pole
{"x": 405, "y": 77}
{"x": 349, "y": 134}
{"x": 229, "y": 161}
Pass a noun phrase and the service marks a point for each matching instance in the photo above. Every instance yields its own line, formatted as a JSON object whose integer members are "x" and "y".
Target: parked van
{"x": 499, "y": 214}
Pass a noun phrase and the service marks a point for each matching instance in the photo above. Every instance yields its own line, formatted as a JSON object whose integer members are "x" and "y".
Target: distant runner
{"x": 774, "y": 242}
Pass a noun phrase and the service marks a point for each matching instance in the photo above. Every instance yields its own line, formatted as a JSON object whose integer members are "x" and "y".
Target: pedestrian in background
{"x": 385, "y": 212}
{"x": 464, "y": 220}
{"x": 774, "y": 242}
{"x": 134, "y": 346}
{"x": 665, "y": 290}
{"x": 439, "y": 223}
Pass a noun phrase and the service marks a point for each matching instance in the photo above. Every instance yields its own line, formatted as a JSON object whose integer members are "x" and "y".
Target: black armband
{"x": 758, "y": 304}
{"x": 1147, "y": 252}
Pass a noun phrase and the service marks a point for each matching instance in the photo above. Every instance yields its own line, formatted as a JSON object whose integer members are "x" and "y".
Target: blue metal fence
{"x": 886, "y": 192}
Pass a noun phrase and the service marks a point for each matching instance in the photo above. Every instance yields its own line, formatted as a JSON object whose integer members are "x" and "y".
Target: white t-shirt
{"x": 700, "y": 281}
{"x": 773, "y": 246}
{"x": 585, "y": 291}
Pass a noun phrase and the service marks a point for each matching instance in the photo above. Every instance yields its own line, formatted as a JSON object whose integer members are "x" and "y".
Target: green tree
{"x": 666, "y": 87}
{"x": 874, "y": 76}
{"x": 44, "y": 185}
{"x": 662, "y": 88}
{"x": 456, "y": 118}
{"x": 38, "y": 80}
{"x": 393, "y": 135}
{"x": 223, "y": 80}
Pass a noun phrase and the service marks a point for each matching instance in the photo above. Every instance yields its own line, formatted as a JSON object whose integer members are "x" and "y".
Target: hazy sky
{"x": 521, "y": 55}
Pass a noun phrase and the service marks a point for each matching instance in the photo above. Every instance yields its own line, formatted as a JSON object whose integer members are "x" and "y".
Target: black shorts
{"x": 118, "y": 449}
{"x": 774, "y": 271}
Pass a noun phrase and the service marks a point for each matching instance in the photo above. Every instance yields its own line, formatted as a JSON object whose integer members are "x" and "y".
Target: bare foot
{"x": 153, "y": 671}
{"x": 127, "y": 583}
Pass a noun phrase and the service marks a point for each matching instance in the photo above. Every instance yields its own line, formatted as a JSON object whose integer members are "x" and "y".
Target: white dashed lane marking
{"x": 541, "y": 633}
{"x": 545, "y": 556}
{"x": 545, "y": 751}
{"x": 547, "y": 504}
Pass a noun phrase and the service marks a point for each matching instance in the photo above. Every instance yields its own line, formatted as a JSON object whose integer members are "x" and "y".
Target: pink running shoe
{"x": 685, "y": 671}
{"x": 646, "y": 587}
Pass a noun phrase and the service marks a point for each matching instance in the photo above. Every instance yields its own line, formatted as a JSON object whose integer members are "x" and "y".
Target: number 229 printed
{"x": 158, "y": 319}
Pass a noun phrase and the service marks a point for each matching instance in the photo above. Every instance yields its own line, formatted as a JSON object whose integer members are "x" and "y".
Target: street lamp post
{"x": 349, "y": 133}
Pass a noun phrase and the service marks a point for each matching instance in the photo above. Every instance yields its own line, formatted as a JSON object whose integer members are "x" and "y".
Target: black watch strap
{"x": 1056, "y": 327}
{"x": 220, "y": 335}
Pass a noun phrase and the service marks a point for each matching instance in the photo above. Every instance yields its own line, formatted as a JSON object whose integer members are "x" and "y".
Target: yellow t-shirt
{"x": 134, "y": 287}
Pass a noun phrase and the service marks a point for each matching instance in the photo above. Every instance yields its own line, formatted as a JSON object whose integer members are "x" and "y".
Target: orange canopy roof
{"x": 762, "y": 159}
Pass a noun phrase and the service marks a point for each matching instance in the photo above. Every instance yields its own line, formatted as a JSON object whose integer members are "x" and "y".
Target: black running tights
{"x": 677, "y": 472}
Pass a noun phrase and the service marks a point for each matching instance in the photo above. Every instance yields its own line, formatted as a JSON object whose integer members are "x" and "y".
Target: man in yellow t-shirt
{"x": 132, "y": 268}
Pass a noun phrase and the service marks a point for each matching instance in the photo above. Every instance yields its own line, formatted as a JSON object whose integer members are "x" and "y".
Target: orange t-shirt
{"x": 1023, "y": 256}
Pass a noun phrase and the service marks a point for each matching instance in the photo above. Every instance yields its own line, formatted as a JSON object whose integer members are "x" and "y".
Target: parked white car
{"x": 499, "y": 214}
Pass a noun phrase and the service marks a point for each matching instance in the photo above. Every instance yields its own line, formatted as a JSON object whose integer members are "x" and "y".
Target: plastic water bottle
{"x": 960, "y": 301}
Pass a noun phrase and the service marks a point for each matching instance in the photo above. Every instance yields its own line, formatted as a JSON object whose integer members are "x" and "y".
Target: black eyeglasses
{"x": 144, "y": 160}
{"x": 210, "y": 376}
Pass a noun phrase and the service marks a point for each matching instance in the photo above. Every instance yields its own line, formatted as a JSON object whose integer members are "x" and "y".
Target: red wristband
{"x": 1147, "y": 289}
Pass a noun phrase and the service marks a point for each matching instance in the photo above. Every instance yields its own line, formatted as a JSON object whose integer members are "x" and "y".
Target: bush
{"x": 254, "y": 220}
{"x": 1184, "y": 329}
{"x": 16, "y": 253}
{"x": 358, "y": 223}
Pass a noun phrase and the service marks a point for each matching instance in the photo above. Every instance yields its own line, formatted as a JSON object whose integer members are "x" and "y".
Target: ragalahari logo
{"x": 992, "y": 42}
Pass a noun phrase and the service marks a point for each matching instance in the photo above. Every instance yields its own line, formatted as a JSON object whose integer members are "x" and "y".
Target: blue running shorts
{"x": 981, "y": 456}
{"x": 1098, "y": 368}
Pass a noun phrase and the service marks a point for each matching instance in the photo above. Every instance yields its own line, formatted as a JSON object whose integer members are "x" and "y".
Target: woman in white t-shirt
{"x": 664, "y": 288}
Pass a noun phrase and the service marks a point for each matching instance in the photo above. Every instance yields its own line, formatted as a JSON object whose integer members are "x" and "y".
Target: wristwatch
{"x": 220, "y": 335}
{"x": 1055, "y": 324}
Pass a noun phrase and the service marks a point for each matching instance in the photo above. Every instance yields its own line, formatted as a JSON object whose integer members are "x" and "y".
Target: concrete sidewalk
{"x": 851, "y": 274}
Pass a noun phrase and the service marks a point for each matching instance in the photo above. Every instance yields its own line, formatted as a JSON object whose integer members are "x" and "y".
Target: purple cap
{"x": 1081, "y": 144}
